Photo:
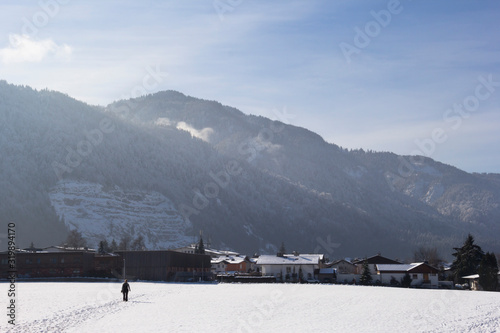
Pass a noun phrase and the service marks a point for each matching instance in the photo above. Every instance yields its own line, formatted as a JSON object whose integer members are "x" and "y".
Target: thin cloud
{"x": 204, "y": 134}
{"x": 23, "y": 48}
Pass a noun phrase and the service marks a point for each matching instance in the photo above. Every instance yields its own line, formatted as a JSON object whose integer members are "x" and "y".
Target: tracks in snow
{"x": 60, "y": 322}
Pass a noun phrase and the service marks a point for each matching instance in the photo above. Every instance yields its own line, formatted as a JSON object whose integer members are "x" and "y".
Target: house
{"x": 345, "y": 271}
{"x": 290, "y": 267}
{"x": 372, "y": 263}
{"x": 219, "y": 265}
{"x": 473, "y": 281}
{"x": 231, "y": 264}
{"x": 422, "y": 274}
{"x": 327, "y": 275}
{"x": 342, "y": 266}
{"x": 238, "y": 264}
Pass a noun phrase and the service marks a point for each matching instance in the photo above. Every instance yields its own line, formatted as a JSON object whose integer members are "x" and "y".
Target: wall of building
{"x": 417, "y": 278}
{"x": 50, "y": 264}
{"x": 165, "y": 265}
{"x": 281, "y": 271}
{"x": 144, "y": 265}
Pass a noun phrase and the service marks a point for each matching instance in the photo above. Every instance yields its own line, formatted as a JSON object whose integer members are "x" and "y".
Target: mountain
{"x": 167, "y": 165}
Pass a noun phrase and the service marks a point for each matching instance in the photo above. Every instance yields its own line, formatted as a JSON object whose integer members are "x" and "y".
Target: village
{"x": 195, "y": 263}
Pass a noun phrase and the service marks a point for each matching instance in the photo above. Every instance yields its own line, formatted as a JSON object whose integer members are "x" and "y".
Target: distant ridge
{"x": 247, "y": 181}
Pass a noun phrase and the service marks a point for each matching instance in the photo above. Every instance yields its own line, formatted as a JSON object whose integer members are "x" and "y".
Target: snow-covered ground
{"x": 168, "y": 307}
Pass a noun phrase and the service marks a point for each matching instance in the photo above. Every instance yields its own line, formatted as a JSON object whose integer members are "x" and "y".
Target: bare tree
{"x": 428, "y": 254}
{"x": 75, "y": 239}
{"x": 125, "y": 243}
{"x": 138, "y": 244}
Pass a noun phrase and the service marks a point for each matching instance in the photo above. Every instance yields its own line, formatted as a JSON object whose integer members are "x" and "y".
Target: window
{"x": 288, "y": 270}
{"x": 53, "y": 260}
{"x": 414, "y": 277}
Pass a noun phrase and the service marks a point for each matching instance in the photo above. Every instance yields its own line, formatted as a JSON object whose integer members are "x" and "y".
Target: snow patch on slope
{"x": 356, "y": 172}
{"x": 109, "y": 213}
{"x": 435, "y": 192}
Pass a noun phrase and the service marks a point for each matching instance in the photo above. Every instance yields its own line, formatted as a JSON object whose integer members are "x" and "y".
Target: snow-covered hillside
{"x": 163, "y": 307}
{"x": 110, "y": 213}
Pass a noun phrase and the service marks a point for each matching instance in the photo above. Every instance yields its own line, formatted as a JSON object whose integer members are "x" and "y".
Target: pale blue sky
{"x": 283, "y": 57}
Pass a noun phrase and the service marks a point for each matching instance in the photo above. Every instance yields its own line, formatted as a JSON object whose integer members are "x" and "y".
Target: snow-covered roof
{"x": 217, "y": 260}
{"x": 397, "y": 267}
{"x": 473, "y": 276}
{"x": 230, "y": 253}
{"x": 290, "y": 259}
{"x": 52, "y": 249}
{"x": 228, "y": 259}
{"x": 405, "y": 267}
{"x": 335, "y": 262}
{"x": 210, "y": 251}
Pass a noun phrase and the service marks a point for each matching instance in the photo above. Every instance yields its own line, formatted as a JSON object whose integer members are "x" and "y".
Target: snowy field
{"x": 166, "y": 307}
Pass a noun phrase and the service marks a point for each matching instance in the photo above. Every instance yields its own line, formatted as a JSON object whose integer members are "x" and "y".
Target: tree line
{"x": 75, "y": 239}
{"x": 469, "y": 259}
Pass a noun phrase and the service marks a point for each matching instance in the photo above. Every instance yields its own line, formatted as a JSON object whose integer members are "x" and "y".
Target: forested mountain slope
{"x": 248, "y": 182}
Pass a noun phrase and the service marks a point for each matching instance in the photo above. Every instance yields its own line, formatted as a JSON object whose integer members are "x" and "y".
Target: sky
{"x": 409, "y": 77}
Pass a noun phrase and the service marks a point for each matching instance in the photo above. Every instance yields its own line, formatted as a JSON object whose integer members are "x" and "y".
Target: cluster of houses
{"x": 297, "y": 267}
{"x": 184, "y": 264}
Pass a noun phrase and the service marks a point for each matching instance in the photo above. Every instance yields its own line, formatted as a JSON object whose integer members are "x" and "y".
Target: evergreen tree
{"x": 282, "y": 250}
{"x": 113, "y": 246}
{"x": 406, "y": 280}
{"x": 394, "y": 282}
{"x": 366, "y": 277}
{"x": 103, "y": 247}
{"x": 200, "y": 248}
{"x": 488, "y": 272}
{"x": 467, "y": 259}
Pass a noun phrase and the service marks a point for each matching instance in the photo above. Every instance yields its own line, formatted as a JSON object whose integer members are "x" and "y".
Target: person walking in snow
{"x": 125, "y": 290}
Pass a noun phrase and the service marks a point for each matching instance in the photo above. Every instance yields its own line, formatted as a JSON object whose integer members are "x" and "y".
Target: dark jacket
{"x": 125, "y": 287}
